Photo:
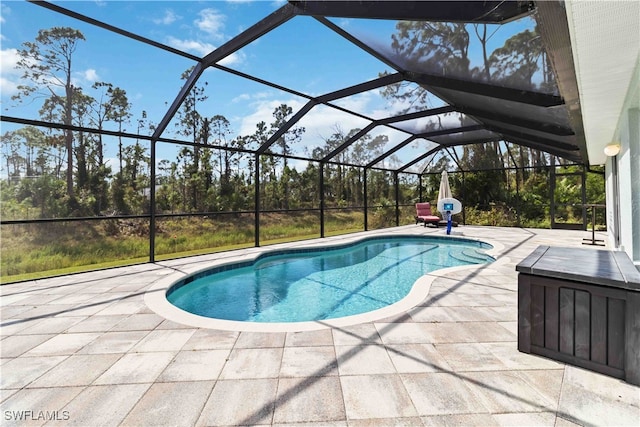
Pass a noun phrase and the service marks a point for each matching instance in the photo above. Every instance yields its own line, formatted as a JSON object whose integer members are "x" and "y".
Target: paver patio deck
{"x": 87, "y": 350}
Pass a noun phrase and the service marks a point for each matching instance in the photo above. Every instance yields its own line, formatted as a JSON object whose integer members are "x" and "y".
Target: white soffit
{"x": 605, "y": 40}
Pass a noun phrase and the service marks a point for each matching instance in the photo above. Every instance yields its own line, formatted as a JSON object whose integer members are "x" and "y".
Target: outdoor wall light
{"x": 612, "y": 149}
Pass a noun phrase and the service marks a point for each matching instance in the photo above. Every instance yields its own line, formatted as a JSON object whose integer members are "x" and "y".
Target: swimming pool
{"x": 300, "y": 285}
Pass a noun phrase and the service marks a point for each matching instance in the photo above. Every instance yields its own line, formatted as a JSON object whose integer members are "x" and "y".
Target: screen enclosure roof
{"x": 444, "y": 74}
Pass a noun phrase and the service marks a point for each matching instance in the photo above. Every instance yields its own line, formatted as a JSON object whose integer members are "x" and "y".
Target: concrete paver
{"x": 90, "y": 347}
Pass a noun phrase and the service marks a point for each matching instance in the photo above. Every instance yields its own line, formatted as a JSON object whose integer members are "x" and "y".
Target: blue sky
{"x": 302, "y": 54}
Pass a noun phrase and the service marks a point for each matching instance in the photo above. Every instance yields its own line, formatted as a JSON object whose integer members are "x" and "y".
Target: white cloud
{"x": 345, "y": 22}
{"x": 254, "y": 95}
{"x": 358, "y": 102}
{"x": 4, "y": 10}
{"x": 82, "y": 78}
{"x": 91, "y": 75}
{"x": 7, "y": 87}
{"x": 168, "y": 18}
{"x": 8, "y": 59}
{"x": 233, "y": 59}
{"x": 10, "y": 75}
{"x": 240, "y": 98}
{"x": 261, "y": 95}
{"x": 202, "y": 48}
{"x": 211, "y": 22}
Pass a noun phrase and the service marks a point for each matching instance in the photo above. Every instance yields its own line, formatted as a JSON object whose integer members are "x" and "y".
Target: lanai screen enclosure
{"x": 137, "y": 131}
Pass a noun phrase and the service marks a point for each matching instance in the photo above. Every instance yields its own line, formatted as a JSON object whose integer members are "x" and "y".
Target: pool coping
{"x": 155, "y": 297}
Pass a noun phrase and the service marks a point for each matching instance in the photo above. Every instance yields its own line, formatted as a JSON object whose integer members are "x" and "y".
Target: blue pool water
{"x": 324, "y": 283}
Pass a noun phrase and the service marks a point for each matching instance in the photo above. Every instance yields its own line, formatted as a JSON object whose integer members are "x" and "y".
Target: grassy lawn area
{"x": 33, "y": 251}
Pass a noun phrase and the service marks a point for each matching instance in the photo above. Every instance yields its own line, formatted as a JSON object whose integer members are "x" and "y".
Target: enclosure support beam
{"x": 389, "y": 79}
{"x": 252, "y": 33}
{"x": 572, "y": 156}
{"x": 493, "y": 12}
{"x": 464, "y": 214}
{"x": 510, "y": 133}
{"x": 321, "y": 199}
{"x": 517, "y": 185}
{"x": 518, "y": 201}
{"x": 454, "y": 157}
{"x": 552, "y": 192}
{"x": 350, "y": 141}
{"x": 285, "y": 127}
{"x": 422, "y": 157}
{"x": 366, "y": 201}
{"x": 426, "y": 135}
{"x": 396, "y": 184}
{"x": 484, "y": 89}
{"x": 584, "y": 197}
{"x": 256, "y": 180}
{"x": 391, "y": 151}
{"x": 108, "y": 27}
{"x": 355, "y": 41}
{"x": 418, "y": 115}
{"x": 551, "y": 128}
{"x": 152, "y": 203}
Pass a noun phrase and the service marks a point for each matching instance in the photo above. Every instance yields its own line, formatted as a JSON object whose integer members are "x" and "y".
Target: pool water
{"x": 324, "y": 283}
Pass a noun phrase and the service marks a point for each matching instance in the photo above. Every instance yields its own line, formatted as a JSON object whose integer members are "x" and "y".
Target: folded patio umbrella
{"x": 445, "y": 190}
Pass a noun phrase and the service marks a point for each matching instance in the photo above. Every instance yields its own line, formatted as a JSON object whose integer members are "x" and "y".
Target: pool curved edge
{"x": 155, "y": 297}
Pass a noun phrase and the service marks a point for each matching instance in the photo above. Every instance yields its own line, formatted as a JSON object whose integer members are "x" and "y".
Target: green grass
{"x": 42, "y": 250}
{"x": 33, "y": 251}
{"x": 70, "y": 270}
{"x": 203, "y": 251}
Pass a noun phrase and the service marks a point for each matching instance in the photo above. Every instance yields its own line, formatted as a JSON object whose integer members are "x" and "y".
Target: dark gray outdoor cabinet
{"x": 581, "y": 306}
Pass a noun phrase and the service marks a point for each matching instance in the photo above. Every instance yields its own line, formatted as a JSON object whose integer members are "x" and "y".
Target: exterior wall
{"x": 623, "y": 190}
{"x": 634, "y": 160}
{"x": 612, "y": 200}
